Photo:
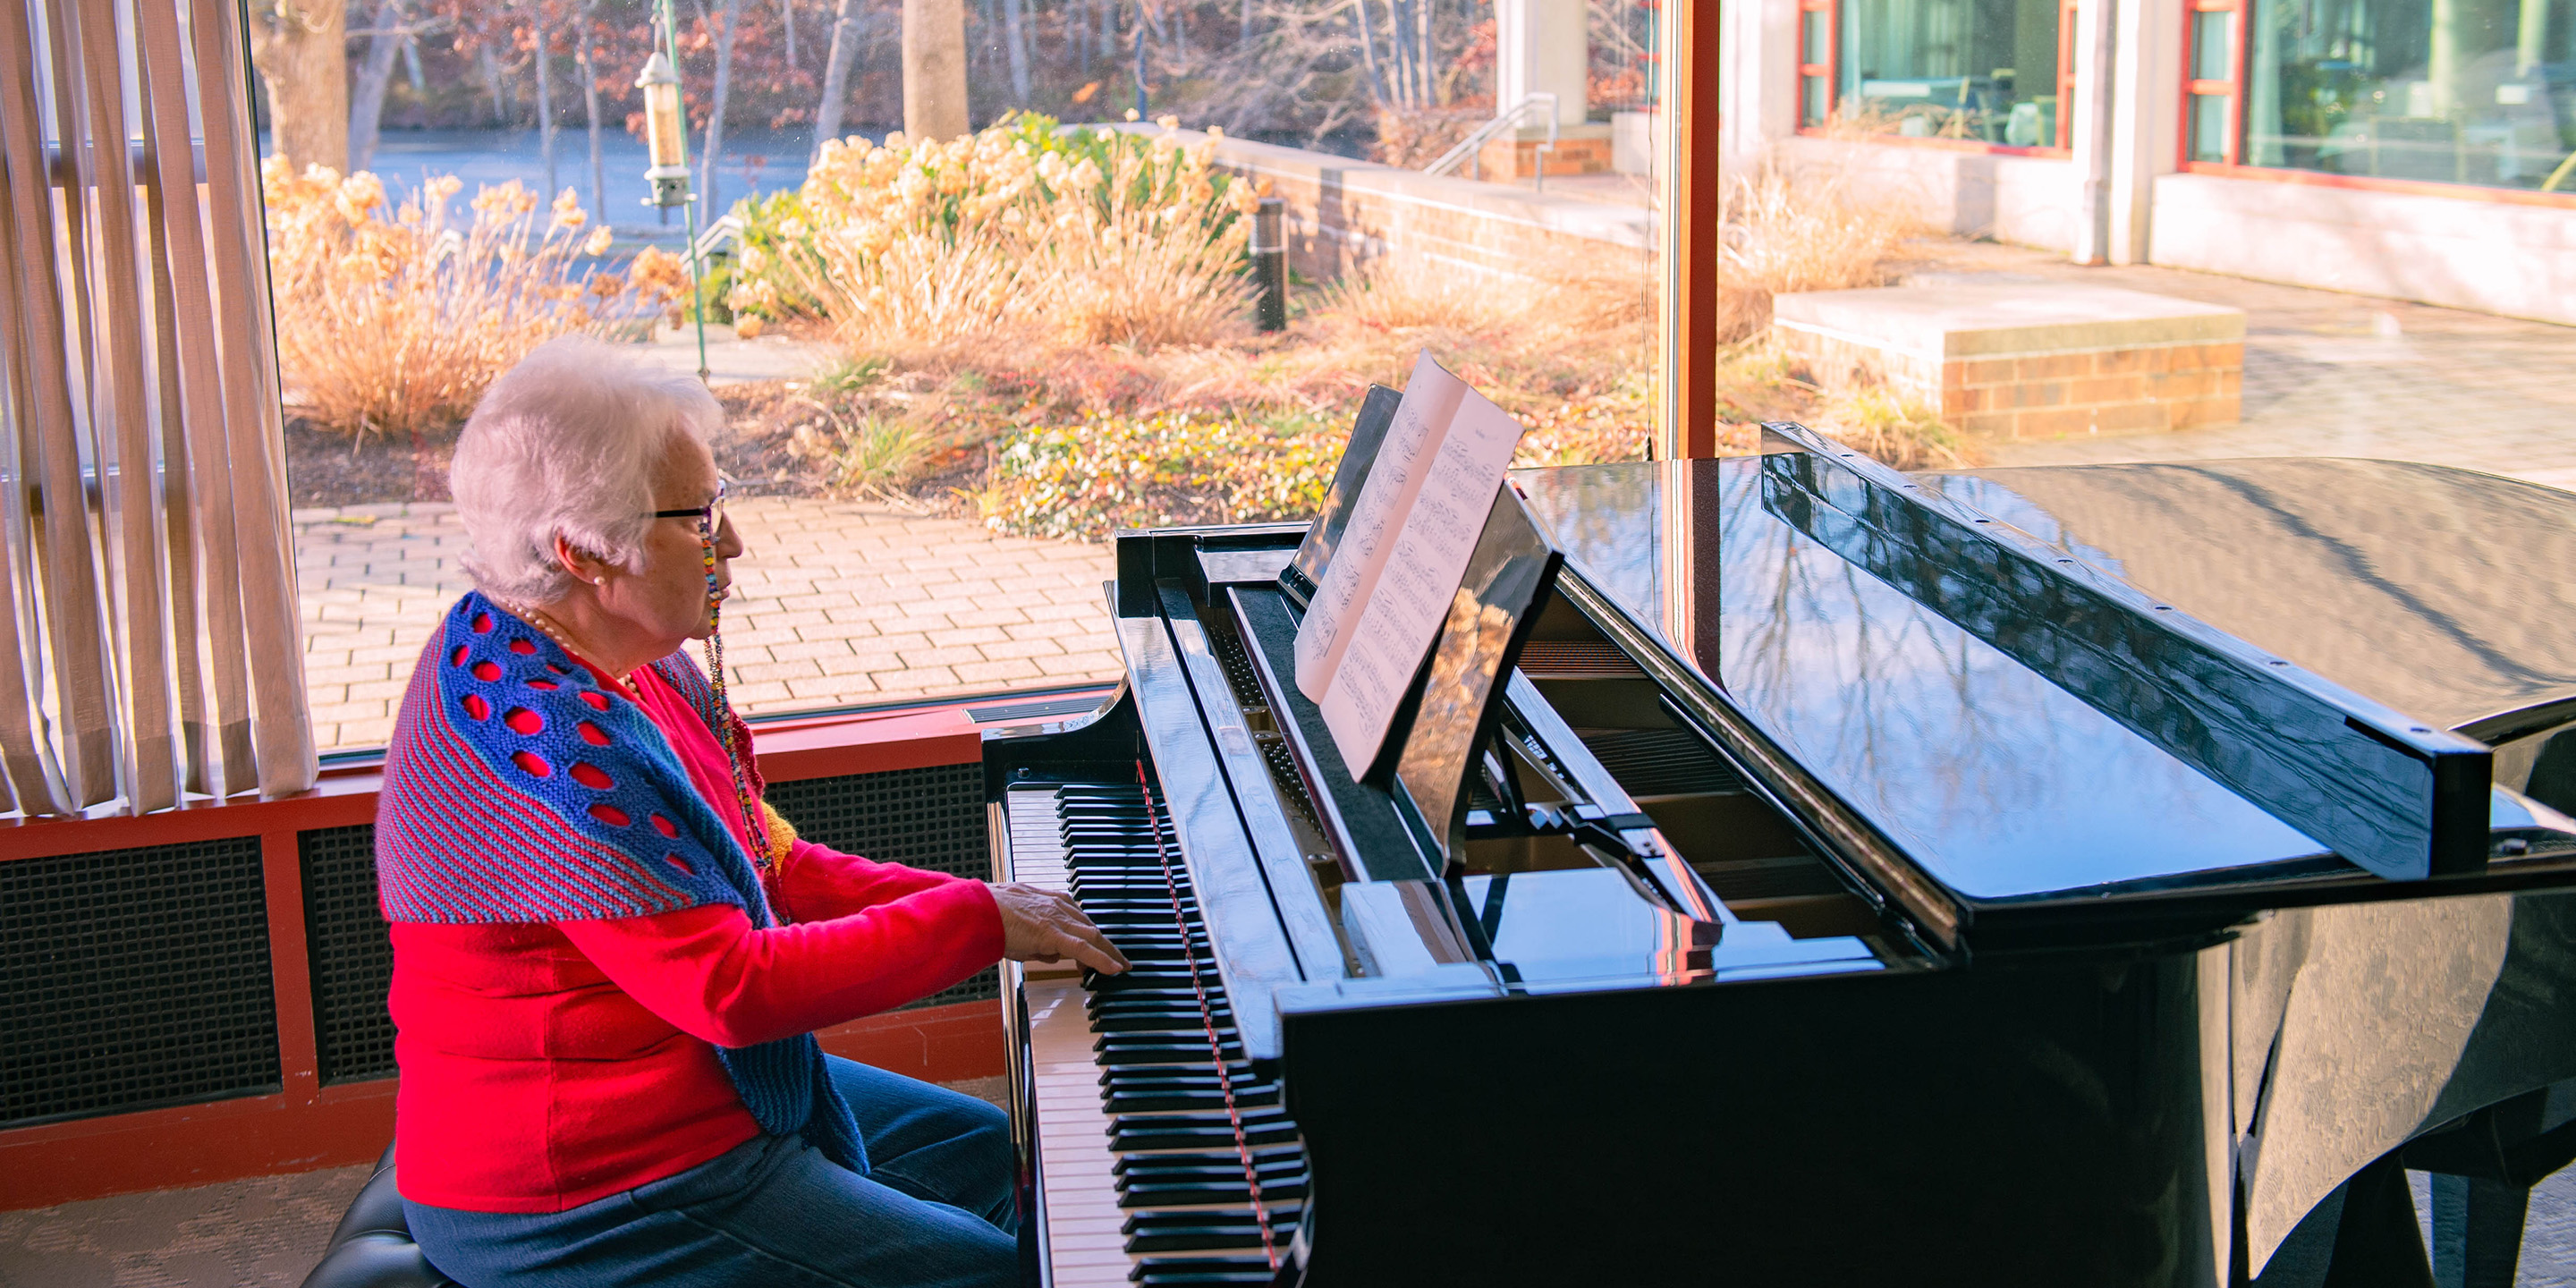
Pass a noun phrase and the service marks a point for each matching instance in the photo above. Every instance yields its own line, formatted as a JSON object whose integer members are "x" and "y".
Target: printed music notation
{"x": 1388, "y": 588}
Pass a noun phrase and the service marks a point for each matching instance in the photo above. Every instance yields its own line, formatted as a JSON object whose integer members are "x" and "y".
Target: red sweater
{"x": 547, "y": 1066}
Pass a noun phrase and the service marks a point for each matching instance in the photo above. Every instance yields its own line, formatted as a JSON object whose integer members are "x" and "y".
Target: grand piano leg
{"x": 2363, "y": 1235}
{"x": 2477, "y": 1231}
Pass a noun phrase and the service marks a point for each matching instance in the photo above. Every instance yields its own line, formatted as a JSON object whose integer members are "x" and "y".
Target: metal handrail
{"x": 1474, "y": 143}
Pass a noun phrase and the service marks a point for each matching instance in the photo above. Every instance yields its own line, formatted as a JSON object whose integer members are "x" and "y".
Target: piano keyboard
{"x": 1152, "y": 1128}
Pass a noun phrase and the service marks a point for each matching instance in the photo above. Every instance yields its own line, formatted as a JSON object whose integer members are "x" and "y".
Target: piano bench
{"x": 372, "y": 1246}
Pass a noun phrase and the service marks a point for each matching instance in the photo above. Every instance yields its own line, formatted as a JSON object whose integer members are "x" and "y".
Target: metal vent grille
{"x": 924, "y": 818}
{"x": 1662, "y": 762}
{"x": 134, "y": 978}
{"x": 352, "y": 956}
{"x": 1576, "y": 660}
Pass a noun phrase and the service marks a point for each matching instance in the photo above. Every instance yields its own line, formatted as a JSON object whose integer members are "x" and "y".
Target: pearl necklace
{"x": 554, "y": 630}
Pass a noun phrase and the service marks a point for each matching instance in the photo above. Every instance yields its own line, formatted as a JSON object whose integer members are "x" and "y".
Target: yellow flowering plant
{"x": 392, "y": 321}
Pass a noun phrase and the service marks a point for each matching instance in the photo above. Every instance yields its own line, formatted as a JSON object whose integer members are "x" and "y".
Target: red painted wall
{"x": 306, "y": 1125}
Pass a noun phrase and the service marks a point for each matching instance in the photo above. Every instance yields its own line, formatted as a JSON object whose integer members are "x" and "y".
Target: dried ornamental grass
{"x": 1778, "y": 234}
{"x": 396, "y": 326}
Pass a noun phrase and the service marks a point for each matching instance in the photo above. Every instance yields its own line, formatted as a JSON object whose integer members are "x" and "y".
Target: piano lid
{"x": 1997, "y": 780}
{"x": 2441, "y": 592}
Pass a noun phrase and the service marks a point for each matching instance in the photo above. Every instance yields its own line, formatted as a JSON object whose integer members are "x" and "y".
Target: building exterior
{"x": 2419, "y": 149}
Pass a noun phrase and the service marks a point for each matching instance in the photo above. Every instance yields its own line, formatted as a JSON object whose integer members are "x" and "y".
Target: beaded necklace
{"x": 755, "y": 818}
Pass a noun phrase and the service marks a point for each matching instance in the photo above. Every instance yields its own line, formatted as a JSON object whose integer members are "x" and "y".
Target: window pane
{"x": 2209, "y": 127}
{"x": 1815, "y": 38}
{"x": 2408, "y": 89}
{"x": 1817, "y": 104}
{"x": 951, "y": 368}
{"x": 2209, "y": 44}
{"x": 1966, "y": 69}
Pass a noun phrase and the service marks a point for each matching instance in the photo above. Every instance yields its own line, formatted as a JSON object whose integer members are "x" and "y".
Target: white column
{"x": 2089, "y": 118}
{"x": 1541, "y": 47}
{"x": 1758, "y": 88}
{"x": 2146, "y": 118}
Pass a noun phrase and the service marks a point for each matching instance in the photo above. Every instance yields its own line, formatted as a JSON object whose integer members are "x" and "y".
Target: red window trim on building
{"x": 1829, "y": 71}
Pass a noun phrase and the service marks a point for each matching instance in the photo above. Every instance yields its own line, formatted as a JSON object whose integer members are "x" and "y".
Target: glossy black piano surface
{"x": 1816, "y": 924}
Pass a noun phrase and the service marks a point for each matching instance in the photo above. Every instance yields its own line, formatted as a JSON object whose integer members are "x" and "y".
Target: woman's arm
{"x": 819, "y": 883}
{"x": 709, "y": 973}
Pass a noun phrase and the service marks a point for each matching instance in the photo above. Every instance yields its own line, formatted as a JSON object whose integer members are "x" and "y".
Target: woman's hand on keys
{"x": 1046, "y": 926}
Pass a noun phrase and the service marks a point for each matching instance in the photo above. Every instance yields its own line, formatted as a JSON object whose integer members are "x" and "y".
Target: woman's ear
{"x": 585, "y": 567}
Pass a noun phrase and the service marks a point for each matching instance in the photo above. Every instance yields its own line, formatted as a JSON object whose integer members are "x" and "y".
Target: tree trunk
{"x": 836, "y": 73}
{"x": 934, "y": 69}
{"x": 787, "y": 18}
{"x": 1243, "y": 34}
{"x": 546, "y": 103}
{"x": 590, "y": 108}
{"x": 1368, "y": 52}
{"x": 1019, "y": 49}
{"x": 714, "y": 207}
{"x": 367, "y": 102}
{"x": 492, "y": 82}
{"x": 301, "y": 49}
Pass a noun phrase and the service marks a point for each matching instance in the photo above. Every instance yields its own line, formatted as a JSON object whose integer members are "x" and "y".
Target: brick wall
{"x": 1342, "y": 212}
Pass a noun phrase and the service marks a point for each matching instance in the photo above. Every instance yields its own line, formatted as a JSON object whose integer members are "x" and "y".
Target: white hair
{"x": 565, "y": 444}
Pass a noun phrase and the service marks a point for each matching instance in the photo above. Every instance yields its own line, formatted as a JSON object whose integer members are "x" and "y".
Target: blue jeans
{"x": 935, "y": 1208}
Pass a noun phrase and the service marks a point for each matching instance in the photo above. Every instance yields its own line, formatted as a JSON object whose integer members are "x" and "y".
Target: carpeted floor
{"x": 260, "y": 1233}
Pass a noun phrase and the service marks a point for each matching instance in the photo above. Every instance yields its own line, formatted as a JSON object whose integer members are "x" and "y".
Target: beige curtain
{"x": 149, "y": 647}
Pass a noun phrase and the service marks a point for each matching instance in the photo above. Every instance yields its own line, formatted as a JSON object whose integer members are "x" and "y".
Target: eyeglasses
{"x": 709, "y": 516}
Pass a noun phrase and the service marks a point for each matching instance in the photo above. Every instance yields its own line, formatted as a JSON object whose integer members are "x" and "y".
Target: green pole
{"x": 689, "y": 207}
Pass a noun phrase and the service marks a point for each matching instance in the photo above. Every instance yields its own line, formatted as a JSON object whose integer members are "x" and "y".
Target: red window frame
{"x": 1826, "y": 71}
{"x": 2230, "y": 88}
{"x": 2232, "y": 146}
{"x": 1829, "y": 72}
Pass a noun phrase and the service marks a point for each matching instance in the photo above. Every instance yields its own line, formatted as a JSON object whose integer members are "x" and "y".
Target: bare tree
{"x": 846, "y": 24}
{"x": 1019, "y": 50}
{"x": 301, "y": 49}
{"x": 590, "y": 108}
{"x": 367, "y": 102}
{"x": 716, "y": 110}
{"x": 544, "y": 69}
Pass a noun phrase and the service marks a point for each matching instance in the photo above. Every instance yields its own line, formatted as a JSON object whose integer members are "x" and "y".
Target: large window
{"x": 957, "y": 348}
{"x": 2451, "y": 91}
{"x": 1982, "y": 71}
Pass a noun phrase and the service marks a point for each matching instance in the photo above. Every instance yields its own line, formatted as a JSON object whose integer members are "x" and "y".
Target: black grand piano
{"x": 1822, "y": 874}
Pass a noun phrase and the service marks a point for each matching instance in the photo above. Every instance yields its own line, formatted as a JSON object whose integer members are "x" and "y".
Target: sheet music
{"x": 1416, "y": 525}
{"x": 1431, "y": 399}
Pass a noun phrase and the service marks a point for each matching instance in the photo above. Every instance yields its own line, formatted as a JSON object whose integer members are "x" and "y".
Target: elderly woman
{"x": 609, "y": 954}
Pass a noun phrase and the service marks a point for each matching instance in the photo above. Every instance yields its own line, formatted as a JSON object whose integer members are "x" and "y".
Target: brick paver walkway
{"x": 834, "y": 603}
{"x": 2338, "y": 375}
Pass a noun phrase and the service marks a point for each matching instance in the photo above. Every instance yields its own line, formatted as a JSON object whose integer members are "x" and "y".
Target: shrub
{"x": 396, "y": 325}
{"x": 865, "y": 455}
{"x": 1083, "y": 236}
{"x": 1898, "y": 430}
{"x": 1109, "y": 471}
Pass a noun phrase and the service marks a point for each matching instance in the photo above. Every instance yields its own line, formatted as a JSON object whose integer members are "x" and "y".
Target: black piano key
{"x": 1185, "y": 1168}
{"x": 1263, "y": 1158}
{"x": 1188, "y": 1272}
{"x": 1157, "y": 1020}
{"x": 1173, "y": 1053}
{"x": 1205, "y": 1229}
{"x": 1135, "y": 1132}
{"x": 1211, "y": 1189}
{"x": 1163, "y": 1099}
